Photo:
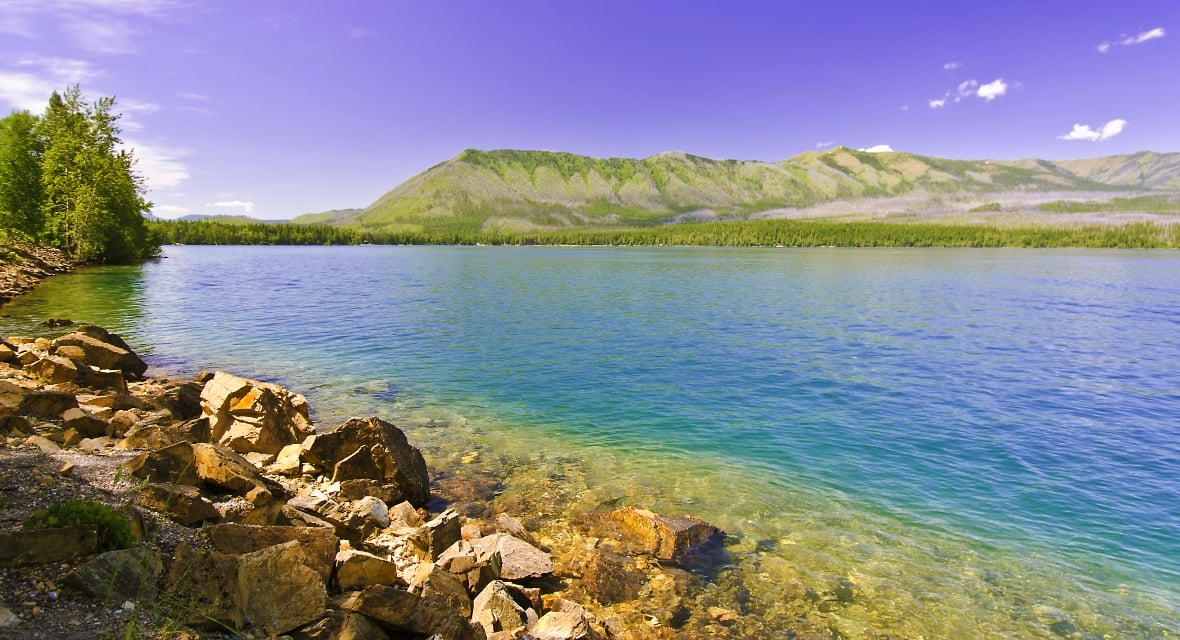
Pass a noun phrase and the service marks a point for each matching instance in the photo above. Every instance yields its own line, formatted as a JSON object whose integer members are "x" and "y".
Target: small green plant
{"x": 114, "y": 528}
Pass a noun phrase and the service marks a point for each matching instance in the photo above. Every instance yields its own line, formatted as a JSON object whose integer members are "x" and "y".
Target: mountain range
{"x": 520, "y": 190}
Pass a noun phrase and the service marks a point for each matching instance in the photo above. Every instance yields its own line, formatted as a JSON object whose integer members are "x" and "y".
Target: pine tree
{"x": 93, "y": 204}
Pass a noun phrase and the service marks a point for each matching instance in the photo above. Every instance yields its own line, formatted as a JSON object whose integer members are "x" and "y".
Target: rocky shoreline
{"x": 251, "y": 522}
{"x": 23, "y": 267}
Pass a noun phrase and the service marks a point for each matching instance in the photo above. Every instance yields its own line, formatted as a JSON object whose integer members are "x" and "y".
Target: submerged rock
{"x": 665, "y": 537}
{"x": 374, "y": 449}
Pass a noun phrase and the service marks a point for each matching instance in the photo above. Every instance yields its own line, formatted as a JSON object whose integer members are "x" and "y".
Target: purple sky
{"x": 279, "y": 107}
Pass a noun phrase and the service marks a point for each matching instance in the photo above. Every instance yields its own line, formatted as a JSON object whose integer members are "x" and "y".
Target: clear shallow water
{"x": 982, "y": 442}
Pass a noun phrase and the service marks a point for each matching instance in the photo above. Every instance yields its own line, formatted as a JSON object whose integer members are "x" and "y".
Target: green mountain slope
{"x": 520, "y": 190}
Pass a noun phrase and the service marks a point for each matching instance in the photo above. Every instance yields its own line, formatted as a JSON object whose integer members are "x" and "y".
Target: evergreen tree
{"x": 21, "y": 195}
{"x": 93, "y": 204}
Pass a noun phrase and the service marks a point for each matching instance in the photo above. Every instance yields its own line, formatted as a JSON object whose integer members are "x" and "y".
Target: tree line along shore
{"x": 737, "y": 233}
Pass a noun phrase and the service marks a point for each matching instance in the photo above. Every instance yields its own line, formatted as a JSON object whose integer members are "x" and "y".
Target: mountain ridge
{"x": 514, "y": 190}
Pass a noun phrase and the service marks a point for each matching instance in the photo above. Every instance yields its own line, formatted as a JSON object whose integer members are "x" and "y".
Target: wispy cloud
{"x": 27, "y": 82}
{"x": 936, "y": 103}
{"x": 877, "y": 148}
{"x": 246, "y": 207}
{"x": 160, "y": 166}
{"x": 98, "y": 26}
{"x": 1105, "y": 132}
{"x": 357, "y": 33}
{"x": 823, "y": 145}
{"x": 196, "y": 97}
{"x": 1126, "y": 41}
{"x": 952, "y": 65}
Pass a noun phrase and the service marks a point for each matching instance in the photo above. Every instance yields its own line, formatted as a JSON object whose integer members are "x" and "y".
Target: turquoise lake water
{"x": 983, "y": 443}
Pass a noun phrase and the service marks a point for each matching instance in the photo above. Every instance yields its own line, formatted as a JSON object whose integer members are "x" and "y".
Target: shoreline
{"x": 618, "y": 573}
{"x": 23, "y": 267}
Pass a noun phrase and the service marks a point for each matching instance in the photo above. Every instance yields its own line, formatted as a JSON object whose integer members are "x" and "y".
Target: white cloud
{"x": 246, "y": 207}
{"x": 951, "y": 66}
{"x": 197, "y": 97}
{"x": 137, "y": 106}
{"x": 905, "y": 107}
{"x": 28, "y": 83}
{"x": 169, "y": 208}
{"x": 877, "y": 148}
{"x": 1140, "y": 38}
{"x": 160, "y": 166}
{"x": 937, "y": 103}
{"x": 993, "y": 89}
{"x": 823, "y": 145}
{"x": 1084, "y": 132}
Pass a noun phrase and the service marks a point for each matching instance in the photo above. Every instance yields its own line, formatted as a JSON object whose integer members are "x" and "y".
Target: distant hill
{"x": 521, "y": 190}
{"x": 227, "y": 219}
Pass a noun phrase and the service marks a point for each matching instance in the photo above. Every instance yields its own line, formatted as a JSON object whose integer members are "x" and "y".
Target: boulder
{"x": 101, "y": 379}
{"x": 665, "y": 537}
{"x": 84, "y": 422}
{"x": 358, "y": 569}
{"x": 404, "y": 612}
{"x": 117, "y": 576}
{"x": 348, "y": 523}
{"x": 474, "y": 569}
{"x": 501, "y": 606}
{"x": 157, "y": 436}
{"x": 520, "y": 560}
{"x": 247, "y": 415}
{"x": 104, "y": 350}
{"x": 182, "y": 503}
{"x": 12, "y": 396}
{"x": 53, "y": 370}
{"x": 318, "y": 543}
{"x": 444, "y": 530}
{"x": 278, "y": 590}
{"x": 563, "y": 625}
{"x": 432, "y": 582}
{"x": 47, "y": 404}
{"x": 373, "y": 449}
{"x": 170, "y": 464}
{"x": 202, "y": 586}
{"x": 222, "y": 467}
{"x": 287, "y": 463}
{"x": 341, "y": 625}
{"x": 41, "y": 546}
{"x": 373, "y": 510}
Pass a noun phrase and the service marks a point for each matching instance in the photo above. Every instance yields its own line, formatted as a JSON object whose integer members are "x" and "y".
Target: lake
{"x": 980, "y": 443}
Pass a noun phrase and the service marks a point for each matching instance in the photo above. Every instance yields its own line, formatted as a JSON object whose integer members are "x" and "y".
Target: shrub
{"x": 114, "y": 528}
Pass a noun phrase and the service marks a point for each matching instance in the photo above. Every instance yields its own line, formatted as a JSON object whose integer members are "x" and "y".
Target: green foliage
{"x": 93, "y": 204}
{"x": 1158, "y": 203}
{"x": 736, "y": 233}
{"x": 987, "y": 207}
{"x": 21, "y": 193}
{"x": 114, "y": 528}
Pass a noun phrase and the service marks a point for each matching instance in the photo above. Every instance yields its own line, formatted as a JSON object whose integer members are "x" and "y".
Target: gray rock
{"x": 520, "y": 559}
{"x": 41, "y": 546}
{"x": 117, "y": 576}
{"x": 500, "y": 607}
{"x": 278, "y": 590}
